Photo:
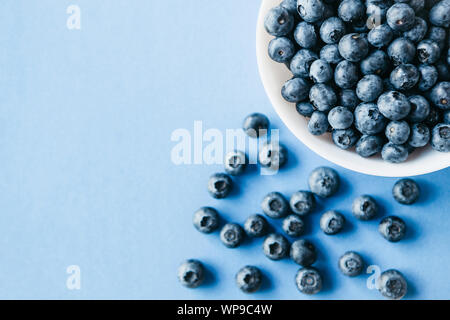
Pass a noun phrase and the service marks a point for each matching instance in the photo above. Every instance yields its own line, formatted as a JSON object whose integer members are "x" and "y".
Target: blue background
{"x": 86, "y": 176}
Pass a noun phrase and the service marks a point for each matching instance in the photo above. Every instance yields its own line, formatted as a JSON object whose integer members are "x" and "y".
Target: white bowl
{"x": 273, "y": 76}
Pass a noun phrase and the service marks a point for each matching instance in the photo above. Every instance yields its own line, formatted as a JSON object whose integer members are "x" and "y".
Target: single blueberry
{"x": 275, "y": 246}
{"x": 440, "y": 95}
{"x": 302, "y": 202}
{"x": 380, "y": 36}
{"x": 332, "y": 222}
{"x": 351, "y": 10}
{"x": 420, "y": 135}
{"x": 191, "y": 273}
{"x": 272, "y": 155}
{"x": 235, "y": 162}
{"x": 332, "y": 30}
{"x": 439, "y": 14}
{"x": 293, "y": 225}
{"x": 256, "y": 226}
{"x": 348, "y": 98}
{"x": 324, "y": 182}
{"x": 392, "y": 284}
{"x": 305, "y": 35}
{"x": 368, "y": 145}
{"x": 340, "y": 118}
{"x": 369, "y": 88}
{"x": 220, "y": 185}
{"x": 232, "y": 235}
{"x": 394, "y": 153}
{"x": 291, "y": 6}
{"x": 256, "y": 125}
{"x": 318, "y": 123}
{"x": 394, "y": 105}
{"x": 306, "y": 109}
{"x": 418, "y": 30}
{"x": 345, "y": 138}
{"x": 279, "y": 22}
{"x": 309, "y": 281}
{"x": 376, "y": 63}
{"x": 206, "y": 219}
{"x": 368, "y": 119}
{"x": 351, "y": 264}
{"x": 330, "y": 53}
{"x": 295, "y": 90}
{"x": 322, "y": 97}
{"x": 400, "y": 17}
{"x": 311, "y": 10}
{"x": 303, "y": 253}
{"x": 397, "y": 132}
{"x": 275, "y": 205}
{"x": 404, "y": 77}
{"x": 346, "y": 74}
{"x": 401, "y": 50}
{"x": 301, "y": 62}
{"x": 392, "y": 228}
{"x": 353, "y": 47}
{"x": 440, "y": 137}
{"x": 320, "y": 71}
{"x": 420, "y": 108}
{"x": 364, "y": 208}
{"x": 281, "y": 49}
{"x": 428, "y": 51}
{"x": 406, "y": 191}
{"x": 249, "y": 279}
{"x": 428, "y": 77}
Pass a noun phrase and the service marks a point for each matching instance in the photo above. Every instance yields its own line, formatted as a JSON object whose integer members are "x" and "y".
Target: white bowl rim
{"x": 273, "y": 75}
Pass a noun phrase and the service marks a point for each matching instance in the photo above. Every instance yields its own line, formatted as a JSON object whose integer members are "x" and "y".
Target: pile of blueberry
{"x": 374, "y": 73}
{"x": 323, "y": 182}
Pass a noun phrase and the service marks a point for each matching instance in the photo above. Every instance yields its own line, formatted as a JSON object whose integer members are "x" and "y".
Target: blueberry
{"x": 305, "y": 35}
{"x": 220, "y": 185}
{"x": 428, "y": 51}
{"x": 235, "y": 162}
{"x": 440, "y": 95}
{"x": 303, "y": 253}
{"x": 295, "y": 90}
{"x": 320, "y": 71}
{"x": 249, "y": 279}
{"x": 191, "y": 273}
{"x": 420, "y": 108}
{"x": 332, "y": 222}
{"x": 318, "y": 123}
{"x": 345, "y": 138}
{"x": 368, "y": 119}
{"x": 420, "y": 135}
{"x": 293, "y": 225}
{"x": 438, "y": 35}
{"x": 401, "y": 50}
{"x": 380, "y": 36}
{"x": 291, "y": 6}
{"x": 340, "y": 118}
{"x": 353, "y": 47}
{"x": 308, "y": 281}
{"x": 351, "y": 264}
{"x": 256, "y": 125}
{"x": 275, "y": 205}
{"x": 302, "y": 202}
{"x": 332, "y": 30}
{"x": 392, "y": 284}
{"x": 394, "y": 105}
{"x": 368, "y": 145}
{"x": 394, "y": 153}
{"x": 418, "y": 30}
{"x": 406, "y": 191}
{"x": 275, "y": 246}
{"x": 206, "y": 220}
{"x": 392, "y": 228}
{"x": 232, "y": 235}
{"x": 416, "y": 5}
{"x": 440, "y": 137}
{"x": 256, "y": 226}
{"x": 397, "y": 132}
{"x": 446, "y": 117}
{"x": 376, "y": 63}
{"x": 404, "y": 77}
{"x": 364, "y": 208}
{"x": 439, "y": 14}
{"x": 301, "y": 62}
{"x": 281, "y": 49}
{"x": 346, "y": 74}
{"x": 311, "y": 10}
{"x": 348, "y": 98}
{"x": 369, "y": 88}
{"x": 306, "y": 109}
{"x": 330, "y": 53}
{"x": 428, "y": 77}
{"x": 273, "y": 155}
{"x": 324, "y": 182}
{"x": 351, "y": 10}
{"x": 322, "y": 97}
{"x": 279, "y": 22}
{"x": 400, "y": 17}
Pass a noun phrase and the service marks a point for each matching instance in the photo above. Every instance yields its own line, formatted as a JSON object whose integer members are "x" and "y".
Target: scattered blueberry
{"x": 303, "y": 253}
{"x": 392, "y": 284}
{"x": 275, "y": 246}
{"x": 332, "y": 222}
{"x": 351, "y": 264}
{"x": 235, "y": 162}
{"x": 256, "y": 226}
{"x": 256, "y": 125}
{"x": 406, "y": 191}
{"x": 275, "y": 206}
{"x": 302, "y": 202}
{"x": 220, "y": 185}
{"x": 392, "y": 228}
{"x": 191, "y": 273}
{"x": 249, "y": 279}
{"x": 273, "y": 155}
{"x": 364, "y": 208}
{"x": 324, "y": 182}
{"x": 293, "y": 225}
{"x": 308, "y": 281}
{"x": 206, "y": 220}
{"x": 232, "y": 235}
